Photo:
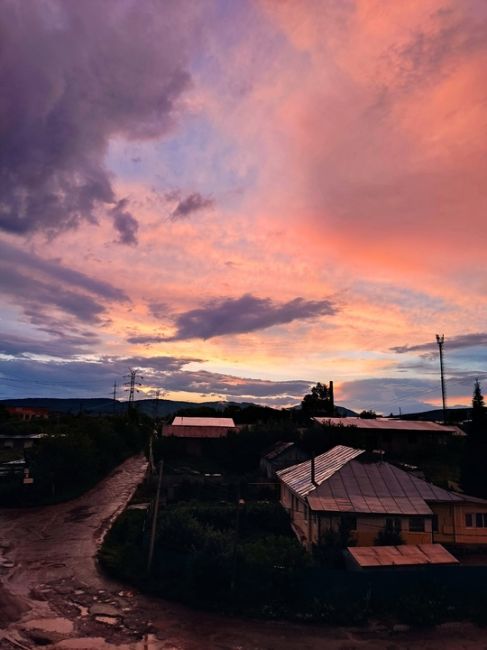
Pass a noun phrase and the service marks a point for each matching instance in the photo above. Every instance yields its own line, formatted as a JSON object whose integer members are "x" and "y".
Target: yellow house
{"x": 343, "y": 487}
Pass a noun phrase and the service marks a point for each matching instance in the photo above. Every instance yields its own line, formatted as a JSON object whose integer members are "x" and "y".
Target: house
{"x": 198, "y": 432}
{"x": 394, "y": 435}
{"x": 19, "y": 440}
{"x": 280, "y": 455}
{"x": 346, "y": 487}
{"x": 28, "y": 413}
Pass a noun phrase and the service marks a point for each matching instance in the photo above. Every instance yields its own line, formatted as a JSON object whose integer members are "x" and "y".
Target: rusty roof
{"x": 203, "y": 422}
{"x": 402, "y": 556}
{"x": 277, "y": 449}
{"x": 298, "y": 477}
{"x": 390, "y": 424}
{"x": 345, "y": 484}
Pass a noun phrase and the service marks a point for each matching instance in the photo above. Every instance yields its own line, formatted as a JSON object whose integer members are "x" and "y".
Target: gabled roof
{"x": 390, "y": 424}
{"x": 298, "y": 477}
{"x": 277, "y": 449}
{"x": 344, "y": 484}
{"x": 203, "y": 422}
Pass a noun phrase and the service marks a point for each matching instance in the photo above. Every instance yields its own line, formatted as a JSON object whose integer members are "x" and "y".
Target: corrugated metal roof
{"x": 348, "y": 485}
{"x": 405, "y": 555}
{"x": 203, "y": 422}
{"x": 298, "y": 477}
{"x": 377, "y": 488}
{"x": 277, "y": 449}
{"x": 392, "y": 425}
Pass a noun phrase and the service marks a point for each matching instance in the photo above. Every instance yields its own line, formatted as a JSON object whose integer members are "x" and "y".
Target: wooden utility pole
{"x": 154, "y": 520}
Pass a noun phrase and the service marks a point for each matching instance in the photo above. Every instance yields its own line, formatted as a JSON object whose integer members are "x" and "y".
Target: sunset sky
{"x": 242, "y": 198}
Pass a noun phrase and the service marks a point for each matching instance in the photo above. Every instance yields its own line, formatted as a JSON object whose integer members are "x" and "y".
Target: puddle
{"x": 85, "y": 643}
{"x": 59, "y": 625}
{"x": 149, "y": 642}
{"x": 108, "y": 620}
{"x": 83, "y": 611}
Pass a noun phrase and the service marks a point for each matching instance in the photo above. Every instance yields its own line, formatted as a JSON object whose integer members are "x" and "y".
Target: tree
{"x": 479, "y": 419}
{"x": 473, "y": 474}
{"x": 368, "y": 415}
{"x": 319, "y": 401}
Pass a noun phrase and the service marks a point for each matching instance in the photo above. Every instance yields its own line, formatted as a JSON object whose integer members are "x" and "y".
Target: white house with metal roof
{"x": 344, "y": 486}
{"x": 198, "y": 431}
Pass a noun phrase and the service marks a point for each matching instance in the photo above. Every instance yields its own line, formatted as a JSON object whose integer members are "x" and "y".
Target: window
{"x": 416, "y": 524}
{"x": 476, "y": 519}
{"x": 434, "y": 524}
{"x": 393, "y": 524}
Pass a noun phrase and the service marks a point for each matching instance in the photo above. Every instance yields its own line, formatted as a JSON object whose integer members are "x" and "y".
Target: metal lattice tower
{"x": 132, "y": 385}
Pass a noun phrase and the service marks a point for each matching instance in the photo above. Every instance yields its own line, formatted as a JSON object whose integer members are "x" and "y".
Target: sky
{"x": 241, "y": 199}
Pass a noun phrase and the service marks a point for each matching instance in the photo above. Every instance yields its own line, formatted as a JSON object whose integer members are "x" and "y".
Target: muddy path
{"x": 52, "y": 594}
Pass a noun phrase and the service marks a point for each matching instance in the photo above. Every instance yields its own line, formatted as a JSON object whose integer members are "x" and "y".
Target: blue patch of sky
{"x": 196, "y": 158}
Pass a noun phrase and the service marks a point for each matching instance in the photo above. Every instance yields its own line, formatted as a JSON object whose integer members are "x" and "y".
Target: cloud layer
{"x": 240, "y": 316}
{"x": 78, "y": 75}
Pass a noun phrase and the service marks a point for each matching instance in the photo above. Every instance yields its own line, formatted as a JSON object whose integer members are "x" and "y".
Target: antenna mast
{"x": 440, "y": 339}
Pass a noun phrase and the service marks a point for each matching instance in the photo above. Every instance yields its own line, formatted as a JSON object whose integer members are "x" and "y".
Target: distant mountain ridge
{"x": 107, "y": 406}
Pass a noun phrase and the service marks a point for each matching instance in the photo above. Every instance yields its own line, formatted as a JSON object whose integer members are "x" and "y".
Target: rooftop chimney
{"x": 313, "y": 480}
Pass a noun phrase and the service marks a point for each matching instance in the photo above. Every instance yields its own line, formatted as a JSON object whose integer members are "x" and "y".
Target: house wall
{"x": 311, "y": 526}
{"x": 452, "y": 523}
{"x": 368, "y": 527}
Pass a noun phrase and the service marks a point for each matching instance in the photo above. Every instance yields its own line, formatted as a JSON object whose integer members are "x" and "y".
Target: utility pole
{"x": 154, "y": 520}
{"x": 132, "y": 384}
{"x": 440, "y": 339}
{"x": 156, "y": 405}
{"x": 240, "y": 503}
{"x": 114, "y": 394}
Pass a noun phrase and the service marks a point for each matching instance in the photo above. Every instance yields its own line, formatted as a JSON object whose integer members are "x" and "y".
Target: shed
{"x": 279, "y": 456}
{"x": 407, "y": 555}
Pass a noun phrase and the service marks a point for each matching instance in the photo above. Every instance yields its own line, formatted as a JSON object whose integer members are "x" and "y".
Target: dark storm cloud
{"x": 453, "y": 343}
{"x": 31, "y": 293}
{"x": 124, "y": 223}
{"x": 11, "y": 256}
{"x": 38, "y": 285}
{"x": 391, "y": 395}
{"x": 245, "y": 314}
{"x": 60, "y": 344}
{"x": 203, "y": 381}
{"x": 74, "y": 75}
{"x": 190, "y": 204}
{"x": 26, "y": 377}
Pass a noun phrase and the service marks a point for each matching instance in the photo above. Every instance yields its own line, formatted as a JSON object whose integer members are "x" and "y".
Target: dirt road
{"x": 55, "y": 597}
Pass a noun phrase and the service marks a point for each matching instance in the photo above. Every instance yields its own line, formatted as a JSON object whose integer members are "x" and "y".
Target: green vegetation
{"x": 209, "y": 554}
{"x": 75, "y": 453}
{"x": 319, "y": 402}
